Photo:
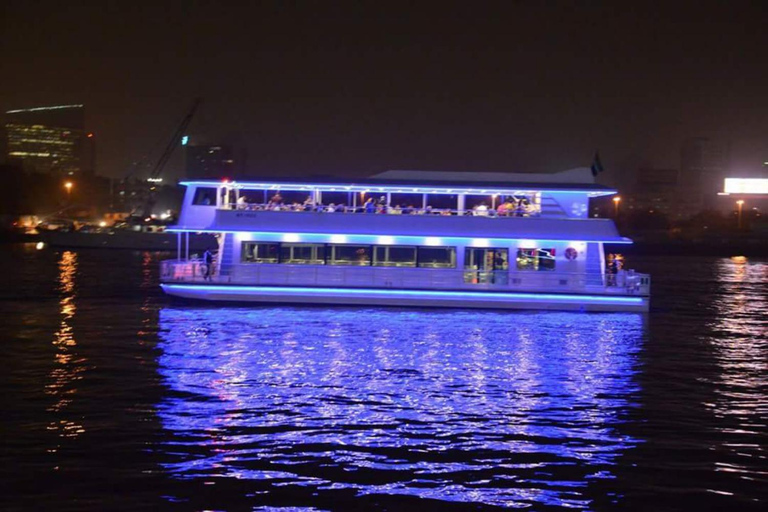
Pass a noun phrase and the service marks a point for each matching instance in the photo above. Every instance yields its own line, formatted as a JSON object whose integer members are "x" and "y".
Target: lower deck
{"x": 392, "y": 286}
{"x": 408, "y": 271}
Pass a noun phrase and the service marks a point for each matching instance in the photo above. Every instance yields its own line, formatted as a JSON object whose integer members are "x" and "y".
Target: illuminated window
{"x": 394, "y": 256}
{"x": 535, "y": 259}
{"x": 302, "y": 254}
{"x": 350, "y": 255}
{"x": 254, "y": 252}
{"x": 482, "y": 258}
{"x": 437, "y": 257}
{"x": 204, "y": 197}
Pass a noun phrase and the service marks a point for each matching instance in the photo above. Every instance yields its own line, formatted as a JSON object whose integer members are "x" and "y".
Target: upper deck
{"x": 493, "y": 205}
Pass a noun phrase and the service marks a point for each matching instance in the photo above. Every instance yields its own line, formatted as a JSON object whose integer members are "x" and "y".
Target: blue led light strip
{"x": 374, "y": 239}
{"x": 405, "y": 189}
{"x": 539, "y": 297}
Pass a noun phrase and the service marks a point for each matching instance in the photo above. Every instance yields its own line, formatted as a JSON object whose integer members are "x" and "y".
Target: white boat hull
{"x": 408, "y": 298}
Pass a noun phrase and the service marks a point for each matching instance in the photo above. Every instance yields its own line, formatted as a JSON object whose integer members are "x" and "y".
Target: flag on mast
{"x": 597, "y": 165}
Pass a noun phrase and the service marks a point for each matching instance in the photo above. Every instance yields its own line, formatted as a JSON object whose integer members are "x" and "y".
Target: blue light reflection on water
{"x": 492, "y": 407}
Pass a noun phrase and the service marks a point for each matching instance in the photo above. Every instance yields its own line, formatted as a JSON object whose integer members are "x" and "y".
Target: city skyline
{"x": 353, "y": 91}
{"x": 49, "y": 139}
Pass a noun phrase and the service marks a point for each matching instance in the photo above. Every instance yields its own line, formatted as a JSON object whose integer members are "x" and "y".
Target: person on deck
{"x": 613, "y": 269}
{"x": 276, "y": 201}
{"x": 208, "y": 263}
{"x": 505, "y": 208}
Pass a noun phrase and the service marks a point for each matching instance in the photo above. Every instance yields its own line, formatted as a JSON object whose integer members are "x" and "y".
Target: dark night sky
{"x": 357, "y": 88}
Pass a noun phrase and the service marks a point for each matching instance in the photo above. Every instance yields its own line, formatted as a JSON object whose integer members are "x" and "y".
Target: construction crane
{"x": 175, "y": 140}
{"x": 169, "y": 149}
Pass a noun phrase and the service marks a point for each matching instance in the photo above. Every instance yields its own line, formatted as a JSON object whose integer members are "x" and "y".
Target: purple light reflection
{"x": 490, "y": 407}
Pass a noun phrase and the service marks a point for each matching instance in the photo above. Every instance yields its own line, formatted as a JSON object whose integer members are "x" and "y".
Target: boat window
{"x": 480, "y": 258}
{"x": 298, "y": 254}
{"x": 337, "y": 198}
{"x": 350, "y": 255}
{"x": 247, "y": 197}
{"x": 486, "y": 265}
{"x": 443, "y": 202}
{"x": 294, "y": 198}
{"x": 479, "y": 204}
{"x": 254, "y": 252}
{"x": 437, "y": 257}
{"x": 204, "y": 196}
{"x": 535, "y": 259}
{"x": 394, "y": 256}
{"x": 521, "y": 205}
{"x": 408, "y": 203}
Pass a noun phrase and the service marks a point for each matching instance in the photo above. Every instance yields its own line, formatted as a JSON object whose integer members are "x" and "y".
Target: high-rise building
{"x": 48, "y": 139}
{"x": 658, "y": 190}
{"x": 704, "y": 165}
{"x": 209, "y": 162}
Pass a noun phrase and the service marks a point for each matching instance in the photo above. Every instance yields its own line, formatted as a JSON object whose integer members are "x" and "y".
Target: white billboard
{"x": 746, "y": 186}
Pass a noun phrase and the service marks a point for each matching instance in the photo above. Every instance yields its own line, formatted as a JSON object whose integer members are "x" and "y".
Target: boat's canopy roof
{"x": 575, "y": 180}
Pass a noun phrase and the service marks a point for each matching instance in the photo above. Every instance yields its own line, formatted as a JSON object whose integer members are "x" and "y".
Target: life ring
{"x": 571, "y": 253}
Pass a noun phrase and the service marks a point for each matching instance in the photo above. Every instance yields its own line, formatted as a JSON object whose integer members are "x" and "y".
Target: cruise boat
{"x": 405, "y": 238}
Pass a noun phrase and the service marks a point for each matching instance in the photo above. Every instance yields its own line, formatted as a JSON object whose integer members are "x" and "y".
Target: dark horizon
{"x": 351, "y": 91}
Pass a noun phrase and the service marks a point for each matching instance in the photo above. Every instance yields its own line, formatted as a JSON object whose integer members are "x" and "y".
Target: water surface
{"x": 118, "y": 398}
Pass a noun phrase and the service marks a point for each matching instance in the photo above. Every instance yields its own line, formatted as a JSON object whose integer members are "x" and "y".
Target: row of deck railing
{"x": 622, "y": 283}
{"x": 531, "y": 211}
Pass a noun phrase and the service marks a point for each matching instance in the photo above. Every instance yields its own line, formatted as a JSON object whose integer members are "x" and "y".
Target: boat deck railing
{"x": 529, "y": 211}
{"x": 195, "y": 271}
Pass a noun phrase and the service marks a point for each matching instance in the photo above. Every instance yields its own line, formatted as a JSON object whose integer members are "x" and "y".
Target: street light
{"x": 740, "y": 204}
{"x": 616, "y": 201}
{"x": 68, "y": 185}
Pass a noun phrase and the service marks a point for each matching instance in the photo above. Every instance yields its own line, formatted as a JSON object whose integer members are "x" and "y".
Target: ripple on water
{"x": 115, "y": 400}
{"x": 482, "y": 406}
